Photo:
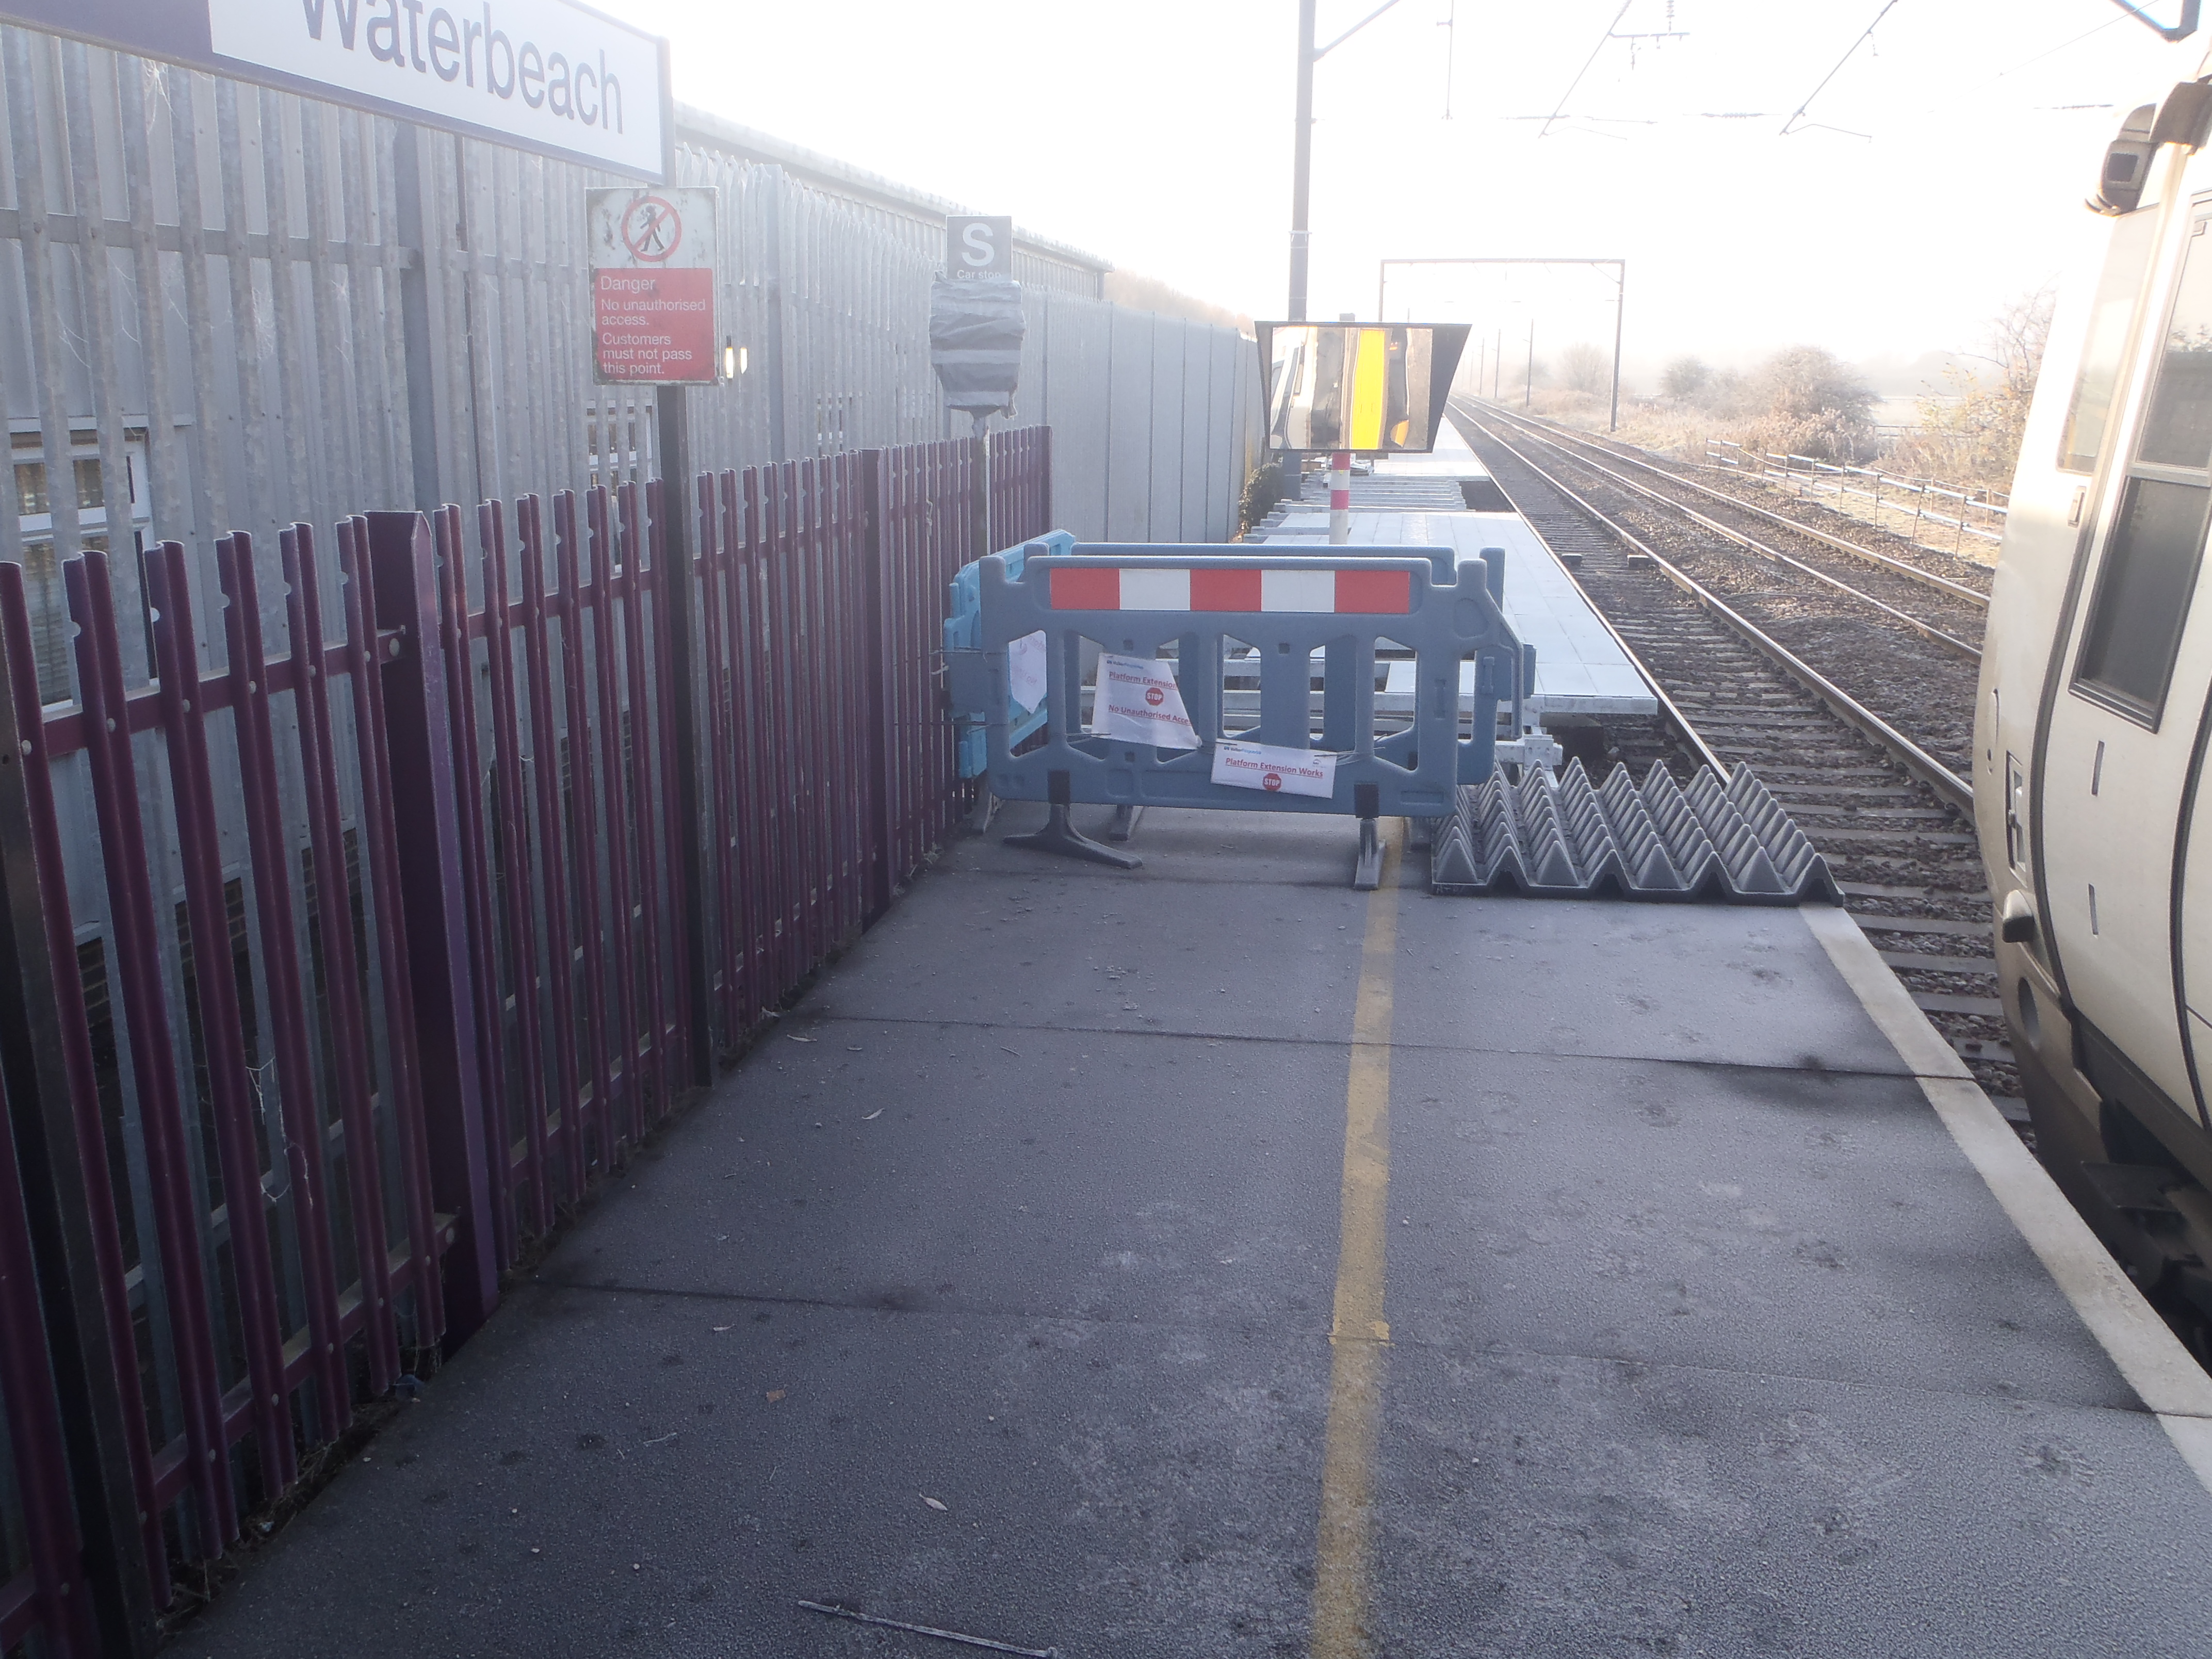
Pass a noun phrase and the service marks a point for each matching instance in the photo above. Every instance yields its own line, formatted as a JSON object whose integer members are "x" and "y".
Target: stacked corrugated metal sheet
{"x": 1561, "y": 836}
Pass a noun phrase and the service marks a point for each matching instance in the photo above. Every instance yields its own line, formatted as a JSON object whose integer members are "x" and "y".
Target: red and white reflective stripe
{"x": 1340, "y": 482}
{"x": 1355, "y": 591}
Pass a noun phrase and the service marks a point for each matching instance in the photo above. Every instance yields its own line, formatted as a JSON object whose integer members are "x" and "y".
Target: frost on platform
{"x": 1563, "y": 836}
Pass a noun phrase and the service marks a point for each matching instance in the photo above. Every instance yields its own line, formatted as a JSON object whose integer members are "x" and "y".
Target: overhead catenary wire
{"x": 2029, "y": 62}
{"x": 1868, "y": 35}
{"x": 1545, "y": 131}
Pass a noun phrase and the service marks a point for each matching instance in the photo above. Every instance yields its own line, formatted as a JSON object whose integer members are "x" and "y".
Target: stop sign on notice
{"x": 1138, "y": 699}
{"x": 1276, "y": 769}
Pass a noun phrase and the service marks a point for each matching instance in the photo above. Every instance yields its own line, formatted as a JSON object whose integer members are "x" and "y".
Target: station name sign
{"x": 549, "y": 75}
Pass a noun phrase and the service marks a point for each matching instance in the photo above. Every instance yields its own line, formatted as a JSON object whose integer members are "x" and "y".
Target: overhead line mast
{"x": 1302, "y": 153}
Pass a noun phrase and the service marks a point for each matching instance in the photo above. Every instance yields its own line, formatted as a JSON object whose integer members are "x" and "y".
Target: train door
{"x": 2193, "y": 891}
{"x": 2123, "y": 729}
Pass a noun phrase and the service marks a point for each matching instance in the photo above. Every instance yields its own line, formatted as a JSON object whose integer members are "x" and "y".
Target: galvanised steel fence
{"x": 224, "y": 308}
{"x": 328, "y": 1065}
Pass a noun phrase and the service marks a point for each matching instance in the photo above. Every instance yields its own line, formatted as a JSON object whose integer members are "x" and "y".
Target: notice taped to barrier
{"x": 1025, "y": 658}
{"x": 1277, "y": 770}
{"x": 1139, "y": 700}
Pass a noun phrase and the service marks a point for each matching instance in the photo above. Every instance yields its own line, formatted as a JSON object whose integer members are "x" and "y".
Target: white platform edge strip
{"x": 2169, "y": 1382}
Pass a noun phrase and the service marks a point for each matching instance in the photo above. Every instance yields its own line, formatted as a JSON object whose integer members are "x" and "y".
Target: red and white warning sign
{"x": 652, "y": 284}
{"x": 1277, "y": 770}
{"x": 1138, "y": 699}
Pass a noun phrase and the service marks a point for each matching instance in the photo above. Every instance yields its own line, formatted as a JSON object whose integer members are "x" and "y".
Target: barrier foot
{"x": 1060, "y": 836}
{"x": 1126, "y": 820}
{"x": 1367, "y": 874}
{"x": 985, "y": 809}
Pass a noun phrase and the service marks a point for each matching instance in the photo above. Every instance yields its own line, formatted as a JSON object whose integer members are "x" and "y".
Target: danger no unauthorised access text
{"x": 653, "y": 326}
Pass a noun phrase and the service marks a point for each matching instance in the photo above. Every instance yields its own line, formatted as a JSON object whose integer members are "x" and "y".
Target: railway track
{"x": 1946, "y": 572}
{"x": 1866, "y": 628}
{"x": 1881, "y": 791}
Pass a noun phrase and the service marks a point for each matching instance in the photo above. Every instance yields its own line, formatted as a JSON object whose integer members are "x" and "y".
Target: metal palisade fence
{"x": 407, "y": 922}
{"x": 224, "y": 308}
{"x": 373, "y": 878}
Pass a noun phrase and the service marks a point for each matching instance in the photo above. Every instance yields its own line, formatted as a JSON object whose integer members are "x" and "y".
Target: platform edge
{"x": 2162, "y": 1372}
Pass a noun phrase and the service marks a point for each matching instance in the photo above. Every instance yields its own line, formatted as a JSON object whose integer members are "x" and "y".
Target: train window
{"x": 2177, "y": 426}
{"x": 2090, "y": 415}
{"x": 2142, "y": 597}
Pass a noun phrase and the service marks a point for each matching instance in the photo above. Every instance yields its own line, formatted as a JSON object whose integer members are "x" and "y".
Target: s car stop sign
{"x": 979, "y": 244}
{"x": 652, "y": 285}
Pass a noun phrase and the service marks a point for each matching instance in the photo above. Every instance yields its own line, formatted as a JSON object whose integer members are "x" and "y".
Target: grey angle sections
{"x": 1564, "y": 837}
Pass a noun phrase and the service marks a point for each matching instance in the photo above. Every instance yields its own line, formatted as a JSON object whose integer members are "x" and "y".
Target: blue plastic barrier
{"x": 1138, "y": 600}
{"x": 963, "y": 631}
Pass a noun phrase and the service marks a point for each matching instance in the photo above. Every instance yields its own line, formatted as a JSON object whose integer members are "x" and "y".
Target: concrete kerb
{"x": 2163, "y": 1373}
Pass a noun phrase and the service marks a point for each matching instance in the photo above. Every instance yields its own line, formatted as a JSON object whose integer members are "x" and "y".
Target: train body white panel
{"x": 2033, "y": 568}
{"x": 2094, "y": 805}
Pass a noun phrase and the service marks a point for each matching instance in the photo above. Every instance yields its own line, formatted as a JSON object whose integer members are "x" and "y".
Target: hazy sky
{"x": 1939, "y": 174}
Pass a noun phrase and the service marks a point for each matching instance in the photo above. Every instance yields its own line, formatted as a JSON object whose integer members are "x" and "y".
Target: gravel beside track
{"x": 1924, "y": 689}
{"x": 1705, "y": 483}
{"x": 1909, "y": 864}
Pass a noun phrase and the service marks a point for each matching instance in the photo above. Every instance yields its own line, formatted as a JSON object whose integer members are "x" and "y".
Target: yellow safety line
{"x": 1359, "y": 1334}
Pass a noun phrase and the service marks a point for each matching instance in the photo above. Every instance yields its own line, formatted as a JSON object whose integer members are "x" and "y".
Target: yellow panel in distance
{"x": 1370, "y": 375}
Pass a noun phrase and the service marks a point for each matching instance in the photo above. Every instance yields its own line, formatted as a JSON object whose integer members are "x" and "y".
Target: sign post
{"x": 975, "y": 333}
{"x": 653, "y": 324}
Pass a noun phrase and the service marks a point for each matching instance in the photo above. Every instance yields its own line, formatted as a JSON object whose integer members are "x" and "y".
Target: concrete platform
{"x": 1415, "y": 500}
{"x": 1706, "y": 1337}
{"x": 1581, "y": 668}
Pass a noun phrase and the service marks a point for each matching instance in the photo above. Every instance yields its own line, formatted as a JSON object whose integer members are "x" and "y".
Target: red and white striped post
{"x": 1339, "y": 498}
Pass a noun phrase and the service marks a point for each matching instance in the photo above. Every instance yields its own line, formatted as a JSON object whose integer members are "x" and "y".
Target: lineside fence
{"x": 1910, "y": 506}
{"x": 439, "y": 862}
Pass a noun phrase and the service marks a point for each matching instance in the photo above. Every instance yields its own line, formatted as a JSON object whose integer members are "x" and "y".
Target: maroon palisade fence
{"x": 383, "y": 934}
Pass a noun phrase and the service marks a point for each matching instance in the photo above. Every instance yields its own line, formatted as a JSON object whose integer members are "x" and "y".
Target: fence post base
{"x": 112, "y": 1596}
{"x": 878, "y": 794}
{"x": 418, "y": 734}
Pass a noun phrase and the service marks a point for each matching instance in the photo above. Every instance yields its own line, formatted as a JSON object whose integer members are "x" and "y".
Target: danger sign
{"x": 652, "y": 285}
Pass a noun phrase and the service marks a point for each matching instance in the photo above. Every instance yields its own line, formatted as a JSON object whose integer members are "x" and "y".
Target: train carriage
{"x": 2094, "y": 715}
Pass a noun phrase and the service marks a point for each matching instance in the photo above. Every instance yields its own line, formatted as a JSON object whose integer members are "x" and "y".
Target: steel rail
{"x": 1948, "y": 787}
{"x": 1928, "y": 630}
{"x": 1706, "y": 752}
{"x": 1900, "y": 566}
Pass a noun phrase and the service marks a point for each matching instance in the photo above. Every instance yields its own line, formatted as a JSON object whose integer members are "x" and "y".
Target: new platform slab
{"x": 1706, "y": 1339}
{"x": 1581, "y": 668}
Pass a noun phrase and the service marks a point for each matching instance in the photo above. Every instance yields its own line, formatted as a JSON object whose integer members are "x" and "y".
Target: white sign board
{"x": 652, "y": 284}
{"x": 1138, "y": 699}
{"x": 979, "y": 244}
{"x": 547, "y": 74}
{"x": 1276, "y": 769}
{"x": 1025, "y": 669}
